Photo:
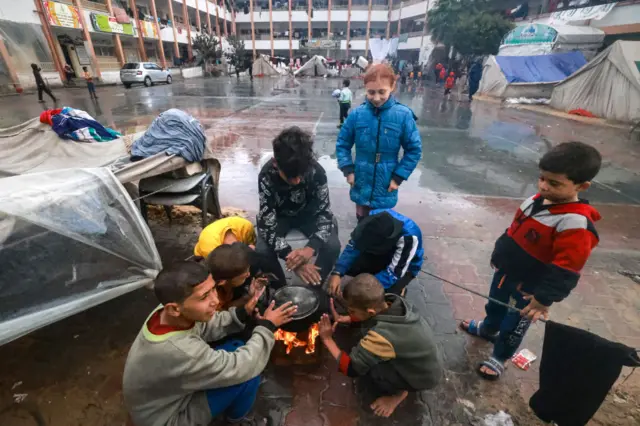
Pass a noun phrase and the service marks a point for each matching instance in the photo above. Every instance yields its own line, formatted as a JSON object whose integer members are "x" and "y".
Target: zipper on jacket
{"x": 375, "y": 165}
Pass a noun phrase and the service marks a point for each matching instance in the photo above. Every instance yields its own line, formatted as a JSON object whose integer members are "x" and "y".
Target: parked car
{"x": 147, "y": 73}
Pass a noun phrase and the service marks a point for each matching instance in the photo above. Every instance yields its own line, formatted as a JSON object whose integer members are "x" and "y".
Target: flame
{"x": 291, "y": 339}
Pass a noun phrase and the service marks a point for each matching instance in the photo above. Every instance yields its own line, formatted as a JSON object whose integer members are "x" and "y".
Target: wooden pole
{"x": 44, "y": 20}
{"x": 134, "y": 9}
{"x": 271, "y": 25}
{"x": 310, "y": 33}
{"x": 217, "y": 20}
{"x": 116, "y": 38}
{"x": 366, "y": 49}
{"x": 185, "y": 16}
{"x": 291, "y": 35}
{"x": 87, "y": 38}
{"x": 206, "y": 3}
{"x": 224, "y": 18}
{"x": 163, "y": 60}
{"x": 4, "y": 53}
{"x": 198, "y": 23}
{"x": 389, "y": 19}
{"x": 253, "y": 30}
{"x": 176, "y": 48}
{"x": 348, "y": 27}
{"x": 233, "y": 17}
{"x": 329, "y": 21}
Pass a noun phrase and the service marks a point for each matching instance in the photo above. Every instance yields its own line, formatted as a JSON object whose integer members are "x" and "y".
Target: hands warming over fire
{"x": 299, "y": 257}
{"x": 339, "y": 319}
{"x": 280, "y": 315}
{"x": 325, "y": 329}
{"x": 256, "y": 289}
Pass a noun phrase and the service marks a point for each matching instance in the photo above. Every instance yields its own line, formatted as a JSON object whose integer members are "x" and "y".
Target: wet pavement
{"x": 479, "y": 162}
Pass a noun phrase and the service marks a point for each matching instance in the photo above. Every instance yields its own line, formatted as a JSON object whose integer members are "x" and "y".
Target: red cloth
{"x": 449, "y": 83}
{"x": 158, "y": 329}
{"x": 46, "y": 115}
{"x": 443, "y": 74}
{"x": 582, "y": 112}
{"x": 439, "y": 67}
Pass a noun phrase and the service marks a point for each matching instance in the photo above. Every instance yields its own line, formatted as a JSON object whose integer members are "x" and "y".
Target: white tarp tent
{"x": 263, "y": 68}
{"x": 608, "y": 86}
{"x": 314, "y": 67}
{"x": 69, "y": 240}
{"x": 540, "y": 39}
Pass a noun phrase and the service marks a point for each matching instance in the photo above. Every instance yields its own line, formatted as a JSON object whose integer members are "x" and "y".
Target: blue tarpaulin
{"x": 541, "y": 68}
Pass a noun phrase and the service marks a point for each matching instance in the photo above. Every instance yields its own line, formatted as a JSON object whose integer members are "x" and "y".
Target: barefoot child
{"x": 378, "y": 129}
{"x": 539, "y": 258}
{"x": 397, "y": 353}
{"x": 173, "y": 377}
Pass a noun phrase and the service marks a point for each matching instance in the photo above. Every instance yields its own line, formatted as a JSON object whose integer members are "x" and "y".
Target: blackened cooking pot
{"x": 312, "y": 302}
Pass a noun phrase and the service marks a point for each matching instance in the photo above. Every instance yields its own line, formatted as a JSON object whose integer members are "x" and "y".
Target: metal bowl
{"x": 301, "y": 296}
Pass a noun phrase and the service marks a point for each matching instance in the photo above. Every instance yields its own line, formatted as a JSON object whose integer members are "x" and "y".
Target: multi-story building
{"x": 104, "y": 34}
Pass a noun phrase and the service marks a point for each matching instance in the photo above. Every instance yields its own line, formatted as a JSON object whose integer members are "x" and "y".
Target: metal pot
{"x": 312, "y": 302}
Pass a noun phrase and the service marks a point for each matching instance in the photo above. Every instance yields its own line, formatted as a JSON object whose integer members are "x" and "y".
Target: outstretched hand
{"x": 255, "y": 294}
{"x": 535, "y": 310}
{"x": 337, "y": 318}
{"x": 325, "y": 329}
{"x": 278, "y": 316}
{"x": 309, "y": 274}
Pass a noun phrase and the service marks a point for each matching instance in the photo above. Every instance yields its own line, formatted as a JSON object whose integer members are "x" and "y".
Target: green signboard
{"x": 108, "y": 24}
{"x": 531, "y": 33}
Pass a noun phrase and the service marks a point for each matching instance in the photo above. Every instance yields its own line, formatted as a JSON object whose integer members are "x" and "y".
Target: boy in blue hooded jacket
{"x": 378, "y": 128}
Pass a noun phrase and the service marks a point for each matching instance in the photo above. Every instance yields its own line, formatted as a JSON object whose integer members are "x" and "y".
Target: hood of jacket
{"x": 377, "y": 234}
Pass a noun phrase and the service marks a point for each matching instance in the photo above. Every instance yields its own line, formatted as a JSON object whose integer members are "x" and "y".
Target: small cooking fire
{"x": 307, "y": 340}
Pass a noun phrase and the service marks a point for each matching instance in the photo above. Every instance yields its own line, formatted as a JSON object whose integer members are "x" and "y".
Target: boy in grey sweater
{"x": 397, "y": 352}
{"x": 172, "y": 376}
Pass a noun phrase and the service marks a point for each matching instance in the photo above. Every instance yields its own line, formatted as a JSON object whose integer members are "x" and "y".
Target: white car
{"x": 147, "y": 73}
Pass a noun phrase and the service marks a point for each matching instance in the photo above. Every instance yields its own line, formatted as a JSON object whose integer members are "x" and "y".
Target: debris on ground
{"x": 635, "y": 276}
{"x": 187, "y": 215}
{"x": 499, "y": 419}
{"x": 523, "y": 359}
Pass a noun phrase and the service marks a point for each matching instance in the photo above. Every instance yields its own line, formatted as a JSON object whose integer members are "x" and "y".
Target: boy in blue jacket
{"x": 385, "y": 244}
{"x": 378, "y": 128}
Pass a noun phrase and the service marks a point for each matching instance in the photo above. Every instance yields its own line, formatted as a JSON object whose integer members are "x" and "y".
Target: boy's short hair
{"x": 364, "y": 292}
{"x": 293, "y": 151}
{"x": 346, "y": 82}
{"x": 379, "y": 72}
{"x": 176, "y": 282}
{"x": 578, "y": 161}
{"x": 228, "y": 261}
{"x": 84, "y": 68}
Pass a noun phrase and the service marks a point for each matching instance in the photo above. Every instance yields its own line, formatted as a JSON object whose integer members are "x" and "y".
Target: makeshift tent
{"x": 314, "y": 67}
{"x": 379, "y": 48}
{"x": 540, "y": 39}
{"x": 608, "y": 86}
{"x": 262, "y": 67}
{"x": 69, "y": 240}
{"x": 527, "y": 76}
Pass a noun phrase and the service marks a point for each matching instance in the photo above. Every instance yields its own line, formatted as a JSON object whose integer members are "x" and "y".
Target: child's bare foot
{"x": 386, "y": 405}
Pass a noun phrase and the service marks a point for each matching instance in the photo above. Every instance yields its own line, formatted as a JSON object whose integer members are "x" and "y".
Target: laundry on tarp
{"x": 608, "y": 86}
{"x": 528, "y": 76}
{"x": 77, "y": 125}
{"x": 576, "y": 372}
{"x": 173, "y": 132}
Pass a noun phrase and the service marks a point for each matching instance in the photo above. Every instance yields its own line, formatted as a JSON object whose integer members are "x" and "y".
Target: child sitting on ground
{"x": 397, "y": 354}
{"x": 385, "y": 244}
{"x": 378, "y": 128}
{"x": 173, "y": 377}
{"x": 539, "y": 258}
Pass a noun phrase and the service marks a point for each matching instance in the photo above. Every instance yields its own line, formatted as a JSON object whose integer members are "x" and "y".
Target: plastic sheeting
{"x": 262, "y": 67}
{"x": 528, "y": 77}
{"x": 379, "y": 48}
{"x": 608, "y": 86}
{"x": 543, "y": 68}
{"x": 69, "y": 240}
{"x": 314, "y": 67}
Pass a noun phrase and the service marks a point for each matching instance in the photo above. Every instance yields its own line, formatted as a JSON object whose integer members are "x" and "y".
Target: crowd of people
{"x": 200, "y": 353}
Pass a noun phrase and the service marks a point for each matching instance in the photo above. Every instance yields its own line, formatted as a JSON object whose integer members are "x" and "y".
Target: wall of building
{"x": 19, "y": 11}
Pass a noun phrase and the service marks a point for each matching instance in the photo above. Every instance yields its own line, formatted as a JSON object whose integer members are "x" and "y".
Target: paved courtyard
{"x": 479, "y": 162}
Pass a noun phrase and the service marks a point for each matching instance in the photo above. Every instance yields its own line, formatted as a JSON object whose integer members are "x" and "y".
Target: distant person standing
{"x": 249, "y": 65}
{"x": 345, "y": 101}
{"x": 442, "y": 75}
{"x": 475, "y": 75}
{"x": 42, "y": 87}
{"x": 448, "y": 85}
{"x": 436, "y": 71}
{"x": 90, "y": 85}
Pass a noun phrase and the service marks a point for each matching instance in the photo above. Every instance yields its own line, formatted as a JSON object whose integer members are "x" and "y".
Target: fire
{"x": 291, "y": 340}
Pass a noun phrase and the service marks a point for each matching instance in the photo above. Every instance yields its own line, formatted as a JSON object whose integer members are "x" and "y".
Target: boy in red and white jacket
{"x": 539, "y": 258}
